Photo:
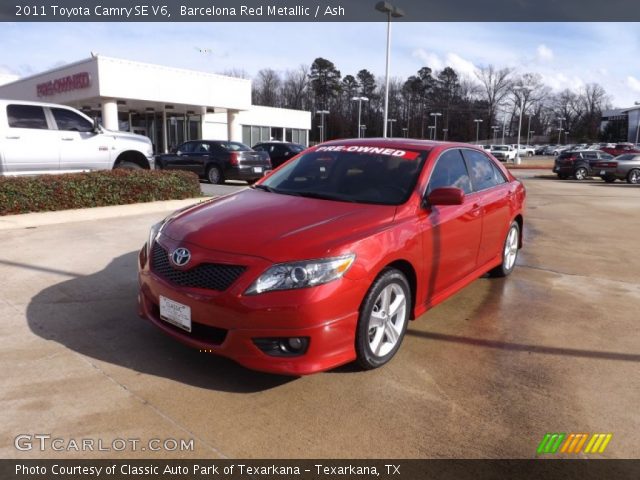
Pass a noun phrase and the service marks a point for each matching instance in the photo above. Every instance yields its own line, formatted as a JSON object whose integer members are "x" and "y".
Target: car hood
{"x": 126, "y": 136}
{"x": 277, "y": 227}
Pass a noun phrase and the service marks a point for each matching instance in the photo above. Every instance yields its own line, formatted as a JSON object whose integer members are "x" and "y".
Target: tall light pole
{"x": 431, "y": 129}
{"x": 359, "y": 100}
{"x": 638, "y": 125}
{"x": 363, "y": 129}
{"x": 391, "y": 122}
{"x": 566, "y": 134}
{"x": 495, "y": 128}
{"x": 444, "y": 131}
{"x": 530, "y": 136}
{"x": 561, "y": 119}
{"x": 478, "y": 122}
{"x": 435, "y": 124}
{"x": 322, "y": 113}
{"x": 395, "y": 12}
{"x": 405, "y": 132}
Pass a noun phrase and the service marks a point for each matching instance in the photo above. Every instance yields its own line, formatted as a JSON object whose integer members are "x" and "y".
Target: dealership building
{"x": 168, "y": 105}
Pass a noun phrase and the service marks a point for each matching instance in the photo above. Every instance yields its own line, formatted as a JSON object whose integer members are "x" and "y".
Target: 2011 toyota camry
{"x": 325, "y": 260}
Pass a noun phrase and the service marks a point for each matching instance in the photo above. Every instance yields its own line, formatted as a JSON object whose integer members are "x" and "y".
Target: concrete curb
{"x": 38, "y": 219}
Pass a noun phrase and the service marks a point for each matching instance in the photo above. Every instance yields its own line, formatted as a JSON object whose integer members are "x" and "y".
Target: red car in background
{"x": 326, "y": 260}
{"x": 620, "y": 149}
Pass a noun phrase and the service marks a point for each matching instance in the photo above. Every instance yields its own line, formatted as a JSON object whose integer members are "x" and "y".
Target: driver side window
{"x": 450, "y": 171}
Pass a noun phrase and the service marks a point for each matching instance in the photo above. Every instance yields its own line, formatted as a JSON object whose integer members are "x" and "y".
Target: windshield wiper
{"x": 264, "y": 187}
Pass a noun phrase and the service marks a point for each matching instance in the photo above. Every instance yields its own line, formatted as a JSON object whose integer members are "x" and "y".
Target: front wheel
{"x": 634, "y": 176}
{"x": 383, "y": 319}
{"x": 581, "y": 173}
{"x": 509, "y": 252}
{"x": 127, "y": 166}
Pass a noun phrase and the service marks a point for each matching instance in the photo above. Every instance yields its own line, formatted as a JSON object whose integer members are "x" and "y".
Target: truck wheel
{"x": 128, "y": 166}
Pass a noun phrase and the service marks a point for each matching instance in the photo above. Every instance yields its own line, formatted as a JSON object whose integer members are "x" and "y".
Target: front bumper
{"x": 226, "y": 323}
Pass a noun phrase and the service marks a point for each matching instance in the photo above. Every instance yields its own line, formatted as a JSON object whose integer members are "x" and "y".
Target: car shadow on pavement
{"x": 96, "y": 316}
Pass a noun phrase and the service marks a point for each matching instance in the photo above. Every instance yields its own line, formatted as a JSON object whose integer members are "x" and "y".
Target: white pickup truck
{"x": 504, "y": 153}
{"x": 38, "y": 138}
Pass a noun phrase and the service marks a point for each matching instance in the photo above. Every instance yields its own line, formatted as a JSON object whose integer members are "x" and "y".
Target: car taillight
{"x": 607, "y": 164}
{"x": 235, "y": 159}
{"x": 571, "y": 159}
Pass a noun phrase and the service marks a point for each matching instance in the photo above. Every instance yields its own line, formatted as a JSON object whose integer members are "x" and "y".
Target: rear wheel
{"x": 634, "y": 176}
{"x": 383, "y": 319}
{"x": 214, "y": 175}
{"x": 128, "y": 166}
{"x": 581, "y": 173}
{"x": 509, "y": 252}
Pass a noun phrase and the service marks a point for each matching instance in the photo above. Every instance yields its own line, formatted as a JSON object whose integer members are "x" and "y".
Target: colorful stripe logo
{"x": 574, "y": 442}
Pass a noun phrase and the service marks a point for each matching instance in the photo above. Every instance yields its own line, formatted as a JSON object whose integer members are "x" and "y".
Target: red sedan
{"x": 326, "y": 260}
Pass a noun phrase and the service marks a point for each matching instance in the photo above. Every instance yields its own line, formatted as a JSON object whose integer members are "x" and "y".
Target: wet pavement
{"x": 553, "y": 348}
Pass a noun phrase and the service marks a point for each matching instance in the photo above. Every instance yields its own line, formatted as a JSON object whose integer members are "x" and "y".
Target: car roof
{"x": 403, "y": 143}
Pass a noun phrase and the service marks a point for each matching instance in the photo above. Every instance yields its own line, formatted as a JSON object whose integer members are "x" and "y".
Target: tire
{"x": 509, "y": 252}
{"x": 214, "y": 175}
{"x": 562, "y": 176}
{"x": 379, "y": 333}
{"x": 634, "y": 176}
{"x": 529, "y": 154}
{"x": 609, "y": 179}
{"x": 581, "y": 173}
{"x": 127, "y": 166}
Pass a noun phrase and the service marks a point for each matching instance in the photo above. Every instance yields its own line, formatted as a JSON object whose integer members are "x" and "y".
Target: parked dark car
{"x": 279, "y": 152}
{"x": 579, "y": 164}
{"x": 217, "y": 160}
{"x": 623, "y": 167}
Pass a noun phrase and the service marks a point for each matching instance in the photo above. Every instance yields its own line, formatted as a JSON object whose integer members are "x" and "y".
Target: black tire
{"x": 214, "y": 175}
{"x": 563, "y": 176}
{"x": 529, "y": 154}
{"x": 633, "y": 176}
{"x": 608, "y": 179}
{"x": 508, "y": 265}
{"x": 127, "y": 166}
{"x": 393, "y": 281}
{"x": 581, "y": 173}
{"x": 252, "y": 181}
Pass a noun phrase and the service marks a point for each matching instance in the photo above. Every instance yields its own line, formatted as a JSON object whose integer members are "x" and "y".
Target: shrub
{"x": 94, "y": 189}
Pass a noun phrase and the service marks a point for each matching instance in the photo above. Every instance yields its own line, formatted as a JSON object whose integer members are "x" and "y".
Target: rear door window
{"x": 483, "y": 172}
{"x": 26, "y": 116}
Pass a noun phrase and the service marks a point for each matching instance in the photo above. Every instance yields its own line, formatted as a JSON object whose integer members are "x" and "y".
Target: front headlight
{"x": 153, "y": 234}
{"x": 309, "y": 273}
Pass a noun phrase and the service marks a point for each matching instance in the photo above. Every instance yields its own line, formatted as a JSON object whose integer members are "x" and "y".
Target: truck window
{"x": 26, "y": 116}
{"x": 71, "y": 121}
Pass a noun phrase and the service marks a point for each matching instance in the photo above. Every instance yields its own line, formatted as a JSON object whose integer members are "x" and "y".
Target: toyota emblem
{"x": 180, "y": 257}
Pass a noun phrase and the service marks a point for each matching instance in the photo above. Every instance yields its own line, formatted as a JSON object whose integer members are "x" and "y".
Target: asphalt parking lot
{"x": 553, "y": 348}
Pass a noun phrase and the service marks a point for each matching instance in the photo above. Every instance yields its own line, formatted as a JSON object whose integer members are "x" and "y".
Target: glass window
{"x": 186, "y": 147}
{"x": 255, "y": 135}
{"x": 483, "y": 173}
{"x": 605, "y": 156}
{"x": 26, "y": 116}
{"x": 71, "y": 121}
{"x": 265, "y": 134}
{"x": 234, "y": 146}
{"x": 201, "y": 147}
{"x": 450, "y": 171}
{"x": 246, "y": 134}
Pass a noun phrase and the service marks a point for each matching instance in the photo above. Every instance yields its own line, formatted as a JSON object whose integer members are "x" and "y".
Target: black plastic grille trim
{"x": 210, "y": 276}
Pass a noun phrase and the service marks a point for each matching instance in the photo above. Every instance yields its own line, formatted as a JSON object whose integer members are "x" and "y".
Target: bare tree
{"x": 266, "y": 88}
{"x": 495, "y": 87}
{"x": 294, "y": 88}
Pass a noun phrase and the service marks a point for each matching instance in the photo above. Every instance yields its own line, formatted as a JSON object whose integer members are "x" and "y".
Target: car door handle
{"x": 13, "y": 137}
{"x": 476, "y": 209}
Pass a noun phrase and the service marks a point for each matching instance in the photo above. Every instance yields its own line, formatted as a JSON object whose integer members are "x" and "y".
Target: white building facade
{"x": 168, "y": 105}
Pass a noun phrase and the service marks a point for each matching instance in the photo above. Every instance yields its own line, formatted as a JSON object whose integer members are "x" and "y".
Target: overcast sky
{"x": 567, "y": 55}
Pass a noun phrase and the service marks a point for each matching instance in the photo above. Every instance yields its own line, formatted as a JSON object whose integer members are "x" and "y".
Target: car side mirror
{"x": 446, "y": 196}
{"x": 96, "y": 126}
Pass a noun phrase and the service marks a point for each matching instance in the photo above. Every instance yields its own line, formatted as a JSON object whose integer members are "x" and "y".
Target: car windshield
{"x": 296, "y": 148}
{"x": 234, "y": 146}
{"x": 360, "y": 174}
{"x": 500, "y": 148}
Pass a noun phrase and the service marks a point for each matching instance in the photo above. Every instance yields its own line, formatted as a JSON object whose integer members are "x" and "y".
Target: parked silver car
{"x": 623, "y": 167}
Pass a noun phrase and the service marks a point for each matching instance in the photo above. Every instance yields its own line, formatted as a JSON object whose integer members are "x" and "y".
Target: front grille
{"x": 211, "y": 276}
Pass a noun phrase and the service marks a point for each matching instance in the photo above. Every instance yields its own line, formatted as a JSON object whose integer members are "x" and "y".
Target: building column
{"x": 165, "y": 134}
{"x": 284, "y": 134}
{"x": 234, "y": 129}
{"x": 110, "y": 114}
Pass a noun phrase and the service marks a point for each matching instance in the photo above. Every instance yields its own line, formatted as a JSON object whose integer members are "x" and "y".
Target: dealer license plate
{"x": 175, "y": 313}
{"x": 257, "y": 169}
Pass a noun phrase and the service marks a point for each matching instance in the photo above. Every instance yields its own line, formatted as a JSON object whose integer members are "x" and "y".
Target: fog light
{"x": 295, "y": 343}
{"x": 283, "y": 346}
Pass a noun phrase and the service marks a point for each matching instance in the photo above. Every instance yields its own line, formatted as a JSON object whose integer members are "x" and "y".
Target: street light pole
{"x": 435, "y": 124}
{"x": 322, "y": 113}
{"x": 478, "y": 122}
{"x": 395, "y": 12}
{"x": 391, "y": 121}
{"x": 566, "y": 135}
{"x": 444, "y": 131}
{"x": 495, "y": 128}
{"x": 359, "y": 100}
{"x": 405, "y": 132}
{"x": 560, "y": 129}
{"x": 431, "y": 128}
{"x": 638, "y": 125}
